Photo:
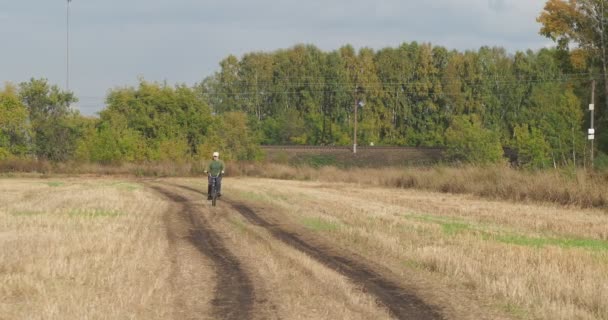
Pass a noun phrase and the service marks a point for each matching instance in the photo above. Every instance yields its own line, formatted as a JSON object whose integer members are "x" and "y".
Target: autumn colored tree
{"x": 579, "y": 28}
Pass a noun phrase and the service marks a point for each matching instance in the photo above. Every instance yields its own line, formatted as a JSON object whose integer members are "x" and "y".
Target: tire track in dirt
{"x": 401, "y": 303}
{"x": 234, "y": 294}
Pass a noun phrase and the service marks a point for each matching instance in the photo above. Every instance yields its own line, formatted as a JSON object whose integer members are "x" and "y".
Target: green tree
{"x": 228, "y": 86}
{"x": 56, "y": 127}
{"x": 158, "y": 115}
{"x": 255, "y": 75}
{"x": 230, "y": 134}
{"x": 467, "y": 141}
{"x": 532, "y": 148}
{"x": 426, "y": 127}
{"x": 373, "y": 116}
{"x": 555, "y": 111}
{"x": 336, "y": 97}
{"x": 412, "y": 93}
{"x": 285, "y": 128}
{"x": 111, "y": 143}
{"x": 14, "y": 130}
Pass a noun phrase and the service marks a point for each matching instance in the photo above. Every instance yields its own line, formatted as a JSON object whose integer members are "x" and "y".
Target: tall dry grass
{"x": 577, "y": 188}
{"x": 531, "y": 261}
{"x": 151, "y": 169}
{"x": 82, "y": 249}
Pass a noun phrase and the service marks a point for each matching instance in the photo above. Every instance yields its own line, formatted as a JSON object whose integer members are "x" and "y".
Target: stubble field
{"x": 78, "y": 248}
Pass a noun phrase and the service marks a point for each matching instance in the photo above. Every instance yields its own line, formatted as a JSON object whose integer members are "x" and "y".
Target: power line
{"x": 390, "y": 87}
{"x": 504, "y": 79}
{"x": 323, "y": 79}
{"x": 406, "y": 87}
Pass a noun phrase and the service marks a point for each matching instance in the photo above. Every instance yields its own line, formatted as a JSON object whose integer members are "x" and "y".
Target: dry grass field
{"x": 92, "y": 248}
{"x": 82, "y": 249}
{"x": 574, "y": 187}
{"x": 530, "y": 261}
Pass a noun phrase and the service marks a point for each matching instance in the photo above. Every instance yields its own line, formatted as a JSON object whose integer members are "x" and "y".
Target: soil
{"x": 234, "y": 292}
{"x": 401, "y": 302}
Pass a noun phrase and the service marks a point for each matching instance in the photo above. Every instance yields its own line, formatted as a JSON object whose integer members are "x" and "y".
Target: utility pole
{"x": 67, "y": 47}
{"x": 257, "y": 108}
{"x": 355, "y": 119}
{"x": 603, "y": 44}
{"x": 591, "y": 133}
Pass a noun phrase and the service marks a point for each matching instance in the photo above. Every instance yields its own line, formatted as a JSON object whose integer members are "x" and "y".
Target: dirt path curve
{"x": 234, "y": 294}
{"x": 401, "y": 303}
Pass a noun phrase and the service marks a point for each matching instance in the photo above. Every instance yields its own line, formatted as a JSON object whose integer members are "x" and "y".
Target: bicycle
{"x": 213, "y": 193}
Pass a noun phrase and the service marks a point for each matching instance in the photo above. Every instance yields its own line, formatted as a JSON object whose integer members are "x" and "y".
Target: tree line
{"x": 475, "y": 103}
{"x": 151, "y": 122}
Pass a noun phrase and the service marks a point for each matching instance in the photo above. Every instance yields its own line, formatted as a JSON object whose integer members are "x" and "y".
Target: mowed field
{"x": 101, "y": 248}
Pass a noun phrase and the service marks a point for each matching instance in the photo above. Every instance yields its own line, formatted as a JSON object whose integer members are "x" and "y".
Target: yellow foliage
{"x": 578, "y": 58}
{"x": 558, "y": 18}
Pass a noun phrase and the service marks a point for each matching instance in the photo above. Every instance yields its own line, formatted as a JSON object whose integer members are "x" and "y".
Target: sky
{"x": 113, "y": 43}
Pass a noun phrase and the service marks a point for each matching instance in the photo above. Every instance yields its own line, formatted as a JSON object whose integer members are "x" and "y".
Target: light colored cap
{"x": 216, "y": 154}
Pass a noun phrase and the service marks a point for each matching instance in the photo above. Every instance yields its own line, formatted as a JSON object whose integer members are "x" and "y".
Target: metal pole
{"x": 356, "y": 74}
{"x": 67, "y": 47}
{"x": 592, "y": 118}
{"x": 355, "y": 130}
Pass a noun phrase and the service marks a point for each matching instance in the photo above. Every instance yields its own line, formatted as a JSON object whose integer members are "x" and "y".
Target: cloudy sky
{"x": 113, "y": 42}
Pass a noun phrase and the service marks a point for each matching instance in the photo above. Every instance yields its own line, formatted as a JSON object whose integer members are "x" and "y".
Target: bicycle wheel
{"x": 213, "y": 196}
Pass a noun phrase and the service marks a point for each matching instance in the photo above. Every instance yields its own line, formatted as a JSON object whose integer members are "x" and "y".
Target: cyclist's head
{"x": 216, "y": 155}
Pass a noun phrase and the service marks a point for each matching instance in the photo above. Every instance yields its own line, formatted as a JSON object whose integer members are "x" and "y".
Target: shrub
{"x": 4, "y": 154}
{"x": 467, "y": 141}
{"x": 532, "y": 148}
{"x": 601, "y": 161}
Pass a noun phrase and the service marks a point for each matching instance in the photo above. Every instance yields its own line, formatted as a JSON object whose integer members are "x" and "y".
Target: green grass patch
{"x": 55, "y": 184}
{"x": 26, "y": 213}
{"x": 128, "y": 186}
{"x": 254, "y": 196}
{"x": 454, "y": 226}
{"x": 540, "y": 242}
{"x": 514, "y": 310}
{"x": 449, "y": 226}
{"x": 95, "y": 213}
{"x": 412, "y": 264}
{"x": 122, "y": 185}
{"x": 318, "y": 224}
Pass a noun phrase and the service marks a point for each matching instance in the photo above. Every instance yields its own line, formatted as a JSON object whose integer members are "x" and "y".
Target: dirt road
{"x": 233, "y": 295}
{"x": 241, "y": 290}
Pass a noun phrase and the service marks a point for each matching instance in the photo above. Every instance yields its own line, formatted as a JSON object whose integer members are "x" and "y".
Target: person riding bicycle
{"x": 215, "y": 169}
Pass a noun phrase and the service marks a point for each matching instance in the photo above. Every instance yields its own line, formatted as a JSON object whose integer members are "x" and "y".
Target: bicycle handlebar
{"x": 210, "y": 175}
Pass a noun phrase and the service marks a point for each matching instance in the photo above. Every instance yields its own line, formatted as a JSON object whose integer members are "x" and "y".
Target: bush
{"x": 230, "y": 134}
{"x": 109, "y": 145}
{"x": 532, "y": 148}
{"x": 4, "y": 154}
{"x": 601, "y": 162}
{"x": 467, "y": 141}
